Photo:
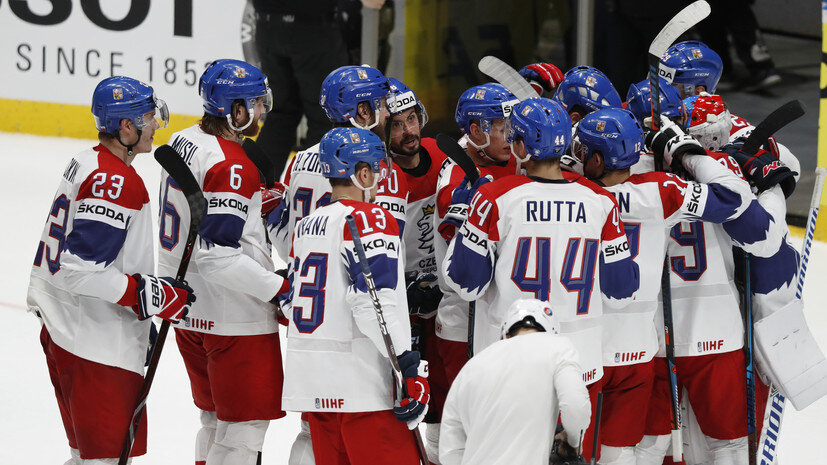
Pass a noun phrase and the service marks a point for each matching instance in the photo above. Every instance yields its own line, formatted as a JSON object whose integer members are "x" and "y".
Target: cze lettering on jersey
{"x": 313, "y": 226}
{"x": 185, "y": 148}
{"x": 629, "y": 356}
{"x": 705, "y": 346}
{"x": 544, "y": 211}
{"x": 428, "y": 264}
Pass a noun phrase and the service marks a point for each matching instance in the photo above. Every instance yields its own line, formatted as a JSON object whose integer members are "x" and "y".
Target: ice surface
{"x": 30, "y": 428}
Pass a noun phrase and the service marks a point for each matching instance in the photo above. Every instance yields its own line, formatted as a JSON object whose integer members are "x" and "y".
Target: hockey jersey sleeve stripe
{"x": 95, "y": 241}
{"x": 775, "y": 272}
{"x": 466, "y": 270}
{"x": 620, "y": 279}
{"x": 382, "y": 267}
{"x": 751, "y": 227}
{"x": 222, "y": 230}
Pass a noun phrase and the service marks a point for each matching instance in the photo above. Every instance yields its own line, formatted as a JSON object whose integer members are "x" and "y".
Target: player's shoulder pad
{"x": 498, "y": 187}
{"x": 429, "y": 145}
{"x": 233, "y": 172}
{"x": 114, "y": 181}
{"x": 371, "y": 219}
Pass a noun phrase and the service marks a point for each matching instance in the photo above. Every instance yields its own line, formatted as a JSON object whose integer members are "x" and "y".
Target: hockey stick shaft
{"x": 383, "y": 327}
{"x": 774, "y": 412}
{"x": 669, "y": 331}
{"x": 181, "y": 174}
{"x": 256, "y": 154}
{"x": 752, "y": 440}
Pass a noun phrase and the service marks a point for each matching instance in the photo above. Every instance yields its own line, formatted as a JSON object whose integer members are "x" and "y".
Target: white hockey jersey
{"x": 231, "y": 270}
{"x": 336, "y": 358}
{"x": 452, "y": 315}
{"x": 307, "y": 190}
{"x": 99, "y": 229}
{"x": 537, "y": 238}
{"x": 503, "y": 405}
{"x": 650, "y": 204}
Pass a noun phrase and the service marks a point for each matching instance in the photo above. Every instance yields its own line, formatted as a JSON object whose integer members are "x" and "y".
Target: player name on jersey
{"x": 560, "y": 211}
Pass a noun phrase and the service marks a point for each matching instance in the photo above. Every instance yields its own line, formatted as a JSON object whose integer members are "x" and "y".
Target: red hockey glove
{"x": 271, "y": 198}
{"x": 164, "y": 297}
{"x": 415, "y": 389}
{"x": 542, "y": 76}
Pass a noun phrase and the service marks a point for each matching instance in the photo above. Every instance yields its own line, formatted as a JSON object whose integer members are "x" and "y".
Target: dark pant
{"x": 296, "y": 57}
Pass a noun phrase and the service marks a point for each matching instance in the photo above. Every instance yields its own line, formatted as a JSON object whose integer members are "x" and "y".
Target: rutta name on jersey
{"x": 103, "y": 211}
{"x": 558, "y": 211}
{"x": 227, "y": 203}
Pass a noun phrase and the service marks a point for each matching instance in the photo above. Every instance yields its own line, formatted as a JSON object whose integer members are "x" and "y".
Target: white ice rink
{"x": 30, "y": 428}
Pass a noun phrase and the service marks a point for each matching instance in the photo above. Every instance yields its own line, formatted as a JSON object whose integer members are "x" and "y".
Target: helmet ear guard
{"x": 346, "y": 87}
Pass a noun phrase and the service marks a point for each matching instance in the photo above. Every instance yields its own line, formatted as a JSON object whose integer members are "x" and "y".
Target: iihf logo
{"x": 591, "y": 81}
{"x": 117, "y": 93}
{"x": 617, "y": 357}
{"x": 318, "y": 403}
{"x": 700, "y": 347}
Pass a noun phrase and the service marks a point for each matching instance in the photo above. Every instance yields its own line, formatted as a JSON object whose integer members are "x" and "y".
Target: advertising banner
{"x": 54, "y": 52}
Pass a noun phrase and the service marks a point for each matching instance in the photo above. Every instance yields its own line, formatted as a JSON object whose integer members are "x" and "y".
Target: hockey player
{"x": 639, "y": 101}
{"x": 508, "y": 246}
{"x": 693, "y": 67}
{"x": 337, "y": 364}
{"x": 585, "y": 89}
{"x": 91, "y": 283}
{"x": 232, "y": 333}
{"x": 608, "y": 142}
{"x": 503, "y": 406}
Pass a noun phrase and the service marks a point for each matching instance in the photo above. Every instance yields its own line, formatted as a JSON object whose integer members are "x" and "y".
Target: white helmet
{"x": 535, "y": 313}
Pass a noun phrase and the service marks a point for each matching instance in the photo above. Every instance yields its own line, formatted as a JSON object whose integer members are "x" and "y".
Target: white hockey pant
{"x": 206, "y": 436}
{"x": 302, "y": 451}
{"x": 432, "y": 442}
{"x": 617, "y": 455}
{"x": 652, "y": 450}
{"x": 237, "y": 443}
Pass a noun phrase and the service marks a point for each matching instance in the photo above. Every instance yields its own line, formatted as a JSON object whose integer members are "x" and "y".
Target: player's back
{"x": 506, "y": 400}
{"x": 98, "y": 228}
{"x": 228, "y": 304}
{"x": 331, "y": 365}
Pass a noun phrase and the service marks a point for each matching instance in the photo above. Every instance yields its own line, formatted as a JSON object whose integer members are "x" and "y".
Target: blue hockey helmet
{"x": 544, "y": 127}
{"x": 614, "y": 132}
{"x": 120, "y": 97}
{"x": 484, "y": 103}
{"x": 639, "y": 100}
{"x": 344, "y": 88}
{"x": 224, "y": 81}
{"x": 694, "y": 64}
{"x": 405, "y": 98}
{"x": 342, "y": 148}
{"x": 586, "y": 87}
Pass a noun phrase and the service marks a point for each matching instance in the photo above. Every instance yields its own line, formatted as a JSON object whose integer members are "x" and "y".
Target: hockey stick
{"x": 676, "y": 27}
{"x": 668, "y": 332}
{"x": 782, "y": 116}
{"x": 749, "y": 340}
{"x": 596, "y": 438}
{"x": 508, "y": 77}
{"x": 256, "y": 154}
{"x": 776, "y": 402}
{"x": 169, "y": 159}
{"x": 459, "y": 156}
{"x": 383, "y": 327}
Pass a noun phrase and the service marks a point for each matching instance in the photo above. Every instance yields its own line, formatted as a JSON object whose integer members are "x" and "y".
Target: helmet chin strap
{"x": 129, "y": 147}
{"x": 355, "y": 124}
{"x": 365, "y": 190}
{"x": 520, "y": 161}
{"x": 249, "y": 121}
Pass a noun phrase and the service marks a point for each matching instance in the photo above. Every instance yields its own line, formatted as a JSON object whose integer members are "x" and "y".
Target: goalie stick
{"x": 383, "y": 327}
{"x": 776, "y": 402}
{"x": 169, "y": 159}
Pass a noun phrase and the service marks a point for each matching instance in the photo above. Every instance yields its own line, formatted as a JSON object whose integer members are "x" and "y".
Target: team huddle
{"x": 492, "y": 299}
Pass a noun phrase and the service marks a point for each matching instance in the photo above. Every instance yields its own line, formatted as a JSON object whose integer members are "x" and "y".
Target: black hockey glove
{"x": 415, "y": 389}
{"x": 563, "y": 454}
{"x": 763, "y": 170}
{"x": 670, "y": 143}
{"x": 423, "y": 293}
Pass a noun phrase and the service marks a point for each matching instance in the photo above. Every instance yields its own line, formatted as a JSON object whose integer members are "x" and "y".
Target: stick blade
{"x": 170, "y": 161}
{"x": 256, "y": 154}
{"x": 452, "y": 149}
{"x": 679, "y": 24}
{"x": 507, "y": 76}
{"x": 780, "y": 117}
